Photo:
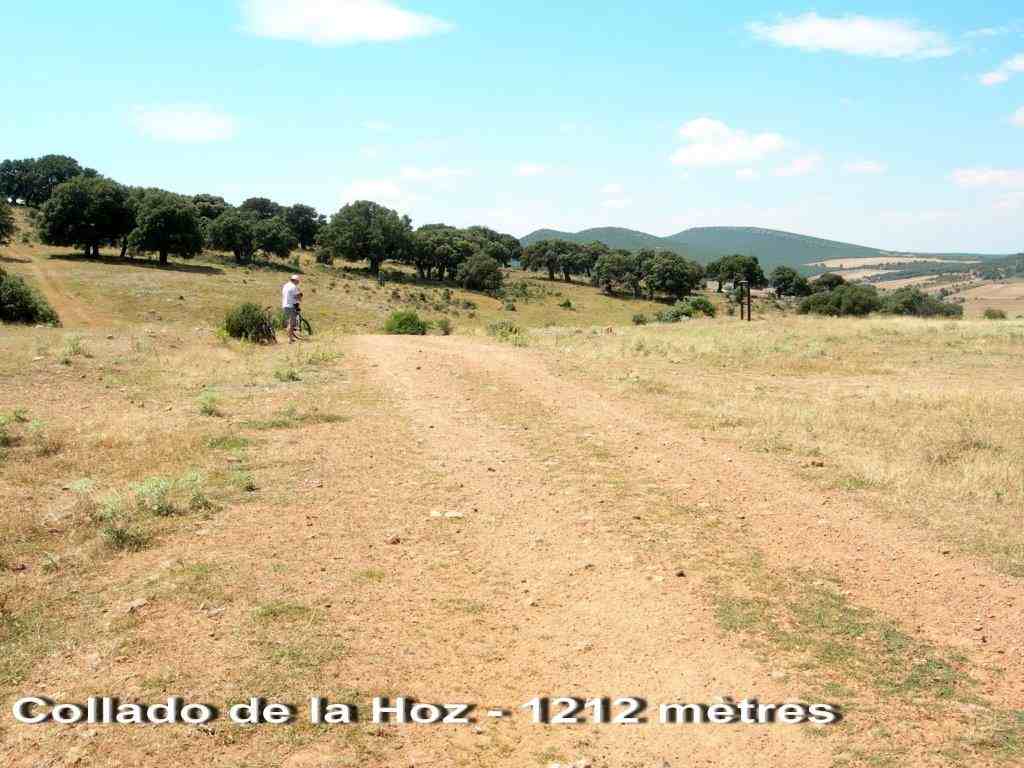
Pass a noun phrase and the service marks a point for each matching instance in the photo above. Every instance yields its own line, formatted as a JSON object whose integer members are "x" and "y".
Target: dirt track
{"x": 486, "y": 529}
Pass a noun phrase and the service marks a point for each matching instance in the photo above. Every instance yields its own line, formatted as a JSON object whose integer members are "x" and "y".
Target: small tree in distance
{"x": 366, "y": 231}
{"x": 167, "y": 224}
{"x": 480, "y": 273}
{"x": 788, "y": 282}
{"x": 305, "y": 222}
{"x": 88, "y": 211}
{"x": 33, "y": 180}
{"x": 829, "y": 281}
{"x": 234, "y": 231}
{"x": 274, "y": 237}
{"x": 674, "y": 275}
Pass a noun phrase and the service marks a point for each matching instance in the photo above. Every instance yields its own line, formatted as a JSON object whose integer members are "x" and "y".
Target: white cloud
{"x": 713, "y": 143}
{"x": 989, "y": 177}
{"x": 337, "y": 22}
{"x": 1018, "y": 117}
{"x": 747, "y": 174}
{"x": 531, "y": 169}
{"x": 412, "y": 173}
{"x": 1005, "y": 71}
{"x": 987, "y": 32}
{"x": 378, "y": 126}
{"x": 866, "y": 167}
{"x": 801, "y": 166}
{"x": 185, "y": 124}
{"x": 856, "y": 35}
{"x": 611, "y": 189}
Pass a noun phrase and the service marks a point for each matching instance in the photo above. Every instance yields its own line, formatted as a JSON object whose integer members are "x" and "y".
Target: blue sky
{"x": 880, "y": 123}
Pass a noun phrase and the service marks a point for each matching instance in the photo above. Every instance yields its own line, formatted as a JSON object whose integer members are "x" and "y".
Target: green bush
{"x": 640, "y": 319}
{"x": 915, "y": 302}
{"x": 480, "y": 273}
{"x": 19, "y": 303}
{"x": 406, "y": 323}
{"x": 506, "y": 330}
{"x": 444, "y": 325}
{"x": 153, "y": 496}
{"x": 848, "y": 299}
{"x": 817, "y": 304}
{"x": 675, "y": 313}
{"x": 125, "y": 538}
{"x": 828, "y": 282}
{"x": 700, "y": 304}
{"x": 250, "y": 322}
{"x": 994, "y": 314}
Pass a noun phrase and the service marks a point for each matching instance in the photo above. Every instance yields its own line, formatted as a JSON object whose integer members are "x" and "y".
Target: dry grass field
{"x": 883, "y": 261}
{"x": 790, "y": 509}
{"x": 1005, "y": 295}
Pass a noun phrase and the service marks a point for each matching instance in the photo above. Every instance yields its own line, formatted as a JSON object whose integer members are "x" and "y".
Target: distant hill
{"x": 772, "y": 247}
{"x": 613, "y": 237}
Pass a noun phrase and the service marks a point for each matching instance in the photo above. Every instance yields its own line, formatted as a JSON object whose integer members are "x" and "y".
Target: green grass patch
{"x": 290, "y": 418}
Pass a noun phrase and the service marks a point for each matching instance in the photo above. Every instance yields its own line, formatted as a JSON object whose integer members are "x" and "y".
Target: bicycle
{"x": 302, "y": 326}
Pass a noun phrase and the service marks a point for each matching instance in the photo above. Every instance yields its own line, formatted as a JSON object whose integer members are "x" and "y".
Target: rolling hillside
{"x": 704, "y": 244}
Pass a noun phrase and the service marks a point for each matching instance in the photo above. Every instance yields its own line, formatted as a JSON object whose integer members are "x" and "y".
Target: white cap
{"x": 295, "y": 278}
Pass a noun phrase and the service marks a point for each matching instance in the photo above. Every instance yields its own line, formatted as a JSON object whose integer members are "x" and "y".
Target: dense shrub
{"x": 406, "y": 323}
{"x": 845, "y": 300}
{"x": 480, "y": 273}
{"x": 252, "y": 323}
{"x": 915, "y": 302}
{"x": 829, "y": 282}
{"x": 817, "y": 304}
{"x": 506, "y": 330}
{"x": 994, "y": 314}
{"x": 701, "y": 305}
{"x": 788, "y": 282}
{"x": 640, "y": 319}
{"x": 674, "y": 314}
{"x": 19, "y": 303}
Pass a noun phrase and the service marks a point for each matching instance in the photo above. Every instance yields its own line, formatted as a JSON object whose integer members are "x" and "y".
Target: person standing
{"x": 289, "y": 300}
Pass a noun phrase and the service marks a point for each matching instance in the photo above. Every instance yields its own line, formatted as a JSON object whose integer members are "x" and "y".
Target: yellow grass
{"x": 924, "y": 417}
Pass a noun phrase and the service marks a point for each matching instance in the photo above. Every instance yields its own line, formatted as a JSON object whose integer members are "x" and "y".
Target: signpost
{"x": 745, "y": 300}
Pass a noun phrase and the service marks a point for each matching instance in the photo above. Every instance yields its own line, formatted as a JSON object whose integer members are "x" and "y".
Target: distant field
{"x": 1007, "y": 296}
{"x": 883, "y": 261}
{"x": 892, "y": 285}
{"x": 859, "y": 274}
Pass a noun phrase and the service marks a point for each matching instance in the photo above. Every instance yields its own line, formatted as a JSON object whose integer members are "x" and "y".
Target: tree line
{"x": 641, "y": 273}
{"x": 78, "y": 207}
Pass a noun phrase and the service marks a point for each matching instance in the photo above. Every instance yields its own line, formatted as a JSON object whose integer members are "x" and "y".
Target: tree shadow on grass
{"x": 174, "y": 266}
{"x": 14, "y": 260}
{"x": 229, "y": 262}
